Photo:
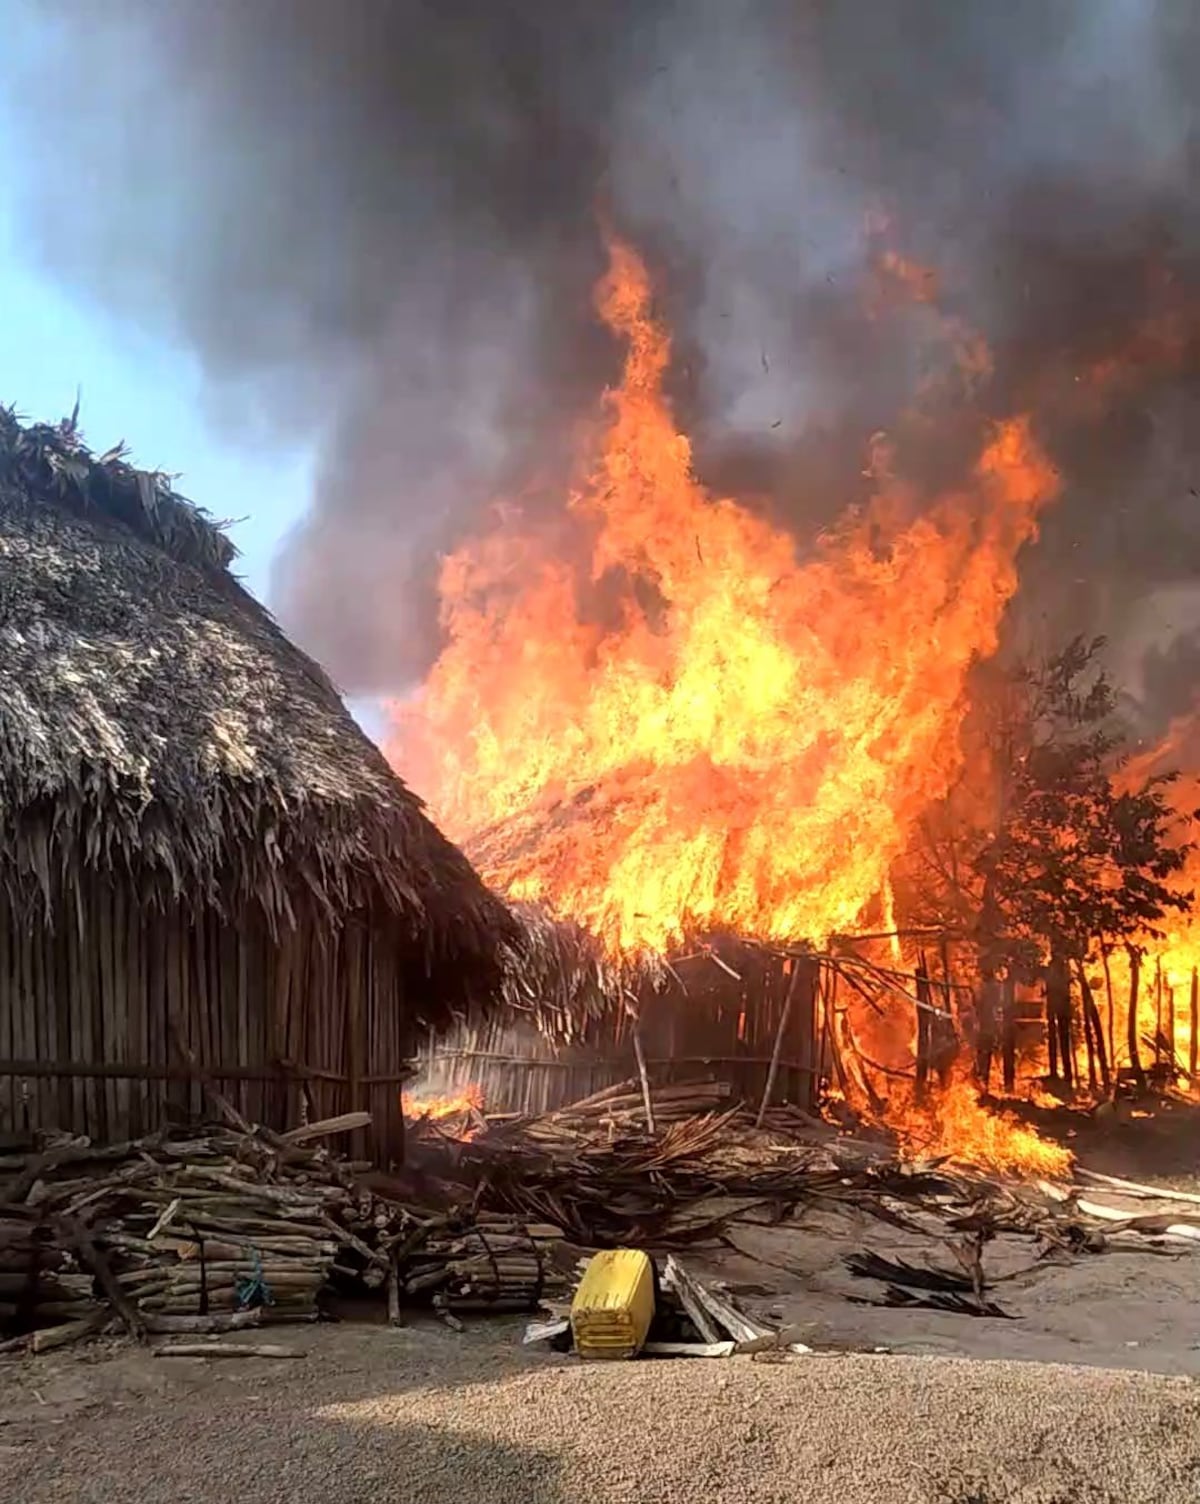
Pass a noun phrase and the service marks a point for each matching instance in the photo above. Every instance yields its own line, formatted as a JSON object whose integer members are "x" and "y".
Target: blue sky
{"x": 52, "y": 344}
{"x": 152, "y": 397}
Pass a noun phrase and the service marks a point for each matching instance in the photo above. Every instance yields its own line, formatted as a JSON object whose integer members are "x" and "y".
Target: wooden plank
{"x": 24, "y": 1032}
{"x": 73, "y": 935}
{"x": 355, "y": 1011}
{"x": 155, "y": 991}
{"x": 82, "y": 1070}
{"x": 276, "y": 1113}
{"x": 136, "y": 1004}
{"x": 61, "y": 988}
{"x": 179, "y": 1097}
{"x": 233, "y": 966}
{"x": 8, "y": 1086}
{"x": 43, "y": 972}
{"x": 117, "y": 1125}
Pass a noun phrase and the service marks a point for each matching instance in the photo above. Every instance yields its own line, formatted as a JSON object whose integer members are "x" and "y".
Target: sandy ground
{"x": 1112, "y": 1310}
{"x": 425, "y": 1415}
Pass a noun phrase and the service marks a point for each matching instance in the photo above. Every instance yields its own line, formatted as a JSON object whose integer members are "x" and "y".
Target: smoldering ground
{"x": 376, "y": 223}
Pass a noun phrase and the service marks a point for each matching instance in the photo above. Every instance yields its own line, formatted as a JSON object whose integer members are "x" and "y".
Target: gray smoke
{"x": 376, "y": 220}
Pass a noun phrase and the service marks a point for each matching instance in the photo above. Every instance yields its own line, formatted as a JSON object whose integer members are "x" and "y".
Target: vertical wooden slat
{"x": 223, "y": 1005}
{"x": 175, "y": 1020}
{"x": 7, "y": 1003}
{"x": 235, "y": 943}
{"x": 111, "y": 1035}
{"x": 154, "y": 985}
{"x": 276, "y": 1114}
{"x": 137, "y": 1000}
{"x": 58, "y": 986}
{"x": 354, "y": 1015}
{"x": 263, "y": 1038}
{"x": 197, "y": 963}
{"x": 47, "y": 1023}
{"x": 83, "y": 992}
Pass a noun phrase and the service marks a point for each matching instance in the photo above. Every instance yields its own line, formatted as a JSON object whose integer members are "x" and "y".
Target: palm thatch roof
{"x": 154, "y": 719}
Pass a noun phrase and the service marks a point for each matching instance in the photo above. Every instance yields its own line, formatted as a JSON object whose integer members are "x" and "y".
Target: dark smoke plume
{"x": 377, "y": 220}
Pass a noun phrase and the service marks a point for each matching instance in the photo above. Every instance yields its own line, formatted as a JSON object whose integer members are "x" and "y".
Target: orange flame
{"x": 957, "y": 1125}
{"x": 436, "y": 1108}
{"x": 687, "y": 726}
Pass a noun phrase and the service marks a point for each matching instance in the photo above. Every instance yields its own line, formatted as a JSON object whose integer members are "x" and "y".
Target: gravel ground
{"x": 422, "y": 1415}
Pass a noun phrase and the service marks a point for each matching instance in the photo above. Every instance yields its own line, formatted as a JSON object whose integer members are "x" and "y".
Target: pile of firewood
{"x": 229, "y": 1227}
{"x": 36, "y": 1276}
{"x": 622, "y": 1107}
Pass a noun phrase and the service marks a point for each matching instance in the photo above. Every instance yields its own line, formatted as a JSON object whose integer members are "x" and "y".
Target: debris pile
{"x": 233, "y": 1226}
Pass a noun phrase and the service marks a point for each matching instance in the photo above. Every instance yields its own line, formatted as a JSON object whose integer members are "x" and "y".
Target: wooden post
{"x": 1195, "y": 1009}
{"x": 1058, "y": 1019}
{"x": 633, "y": 1013}
{"x": 643, "y": 1077}
{"x": 924, "y": 1027}
{"x": 987, "y": 1009}
{"x": 1094, "y": 1031}
{"x": 780, "y": 1033}
{"x": 824, "y": 1053}
{"x": 1135, "y": 1058}
{"x": 1112, "y": 1011}
{"x": 1008, "y": 1031}
{"x": 1158, "y": 1012}
{"x": 1170, "y": 1034}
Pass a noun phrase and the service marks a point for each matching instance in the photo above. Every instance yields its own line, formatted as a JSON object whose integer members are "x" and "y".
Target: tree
{"x": 1049, "y": 852}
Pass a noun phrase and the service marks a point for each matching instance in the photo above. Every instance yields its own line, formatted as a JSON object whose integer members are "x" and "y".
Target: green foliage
{"x": 1073, "y": 851}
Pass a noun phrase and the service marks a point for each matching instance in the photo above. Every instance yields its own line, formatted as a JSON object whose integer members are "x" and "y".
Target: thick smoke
{"x": 377, "y": 221}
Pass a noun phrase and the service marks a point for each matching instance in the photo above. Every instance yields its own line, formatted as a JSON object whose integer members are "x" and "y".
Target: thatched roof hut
{"x": 201, "y": 856}
{"x": 575, "y": 1016}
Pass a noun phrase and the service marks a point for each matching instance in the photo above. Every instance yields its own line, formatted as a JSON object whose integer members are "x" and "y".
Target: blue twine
{"x": 253, "y": 1290}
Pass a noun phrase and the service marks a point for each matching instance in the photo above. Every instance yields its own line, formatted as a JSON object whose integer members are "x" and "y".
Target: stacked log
{"x": 204, "y": 1250}
{"x": 621, "y": 1108}
{"x": 497, "y": 1263}
{"x": 40, "y": 1283}
{"x": 226, "y": 1228}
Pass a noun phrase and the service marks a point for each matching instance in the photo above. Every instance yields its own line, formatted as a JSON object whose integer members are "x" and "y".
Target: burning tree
{"x": 1052, "y": 852}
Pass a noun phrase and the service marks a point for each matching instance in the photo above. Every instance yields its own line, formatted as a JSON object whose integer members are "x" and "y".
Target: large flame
{"x": 956, "y": 1124}
{"x": 677, "y": 724}
{"x": 1170, "y": 973}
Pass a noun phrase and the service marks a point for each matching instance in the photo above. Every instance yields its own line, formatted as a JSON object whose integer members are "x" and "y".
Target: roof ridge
{"x": 51, "y": 464}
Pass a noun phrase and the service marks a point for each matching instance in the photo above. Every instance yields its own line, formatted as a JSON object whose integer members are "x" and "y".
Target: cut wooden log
{"x": 232, "y": 1321}
{"x": 52, "y": 1337}
{"x": 347, "y": 1122}
{"x": 719, "y": 1311}
{"x": 1135, "y": 1188}
{"x": 78, "y": 1237}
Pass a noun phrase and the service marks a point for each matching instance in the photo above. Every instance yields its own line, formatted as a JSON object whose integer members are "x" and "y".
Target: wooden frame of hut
{"x": 208, "y": 874}
{"x": 576, "y": 1023}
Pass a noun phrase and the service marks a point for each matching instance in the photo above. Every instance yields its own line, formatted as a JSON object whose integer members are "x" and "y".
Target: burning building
{"x": 207, "y": 870}
{"x": 898, "y": 346}
{"x": 664, "y": 723}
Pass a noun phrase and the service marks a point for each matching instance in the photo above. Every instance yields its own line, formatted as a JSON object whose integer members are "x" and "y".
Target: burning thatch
{"x": 560, "y": 974}
{"x": 155, "y": 722}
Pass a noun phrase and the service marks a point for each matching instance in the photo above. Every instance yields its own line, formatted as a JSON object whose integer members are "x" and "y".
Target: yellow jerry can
{"x": 614, "y": 1304}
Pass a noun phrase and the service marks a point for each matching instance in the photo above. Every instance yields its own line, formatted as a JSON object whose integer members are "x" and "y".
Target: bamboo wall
{"x": 722, "y": 1027}
{"x": 93, "y": 1010}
